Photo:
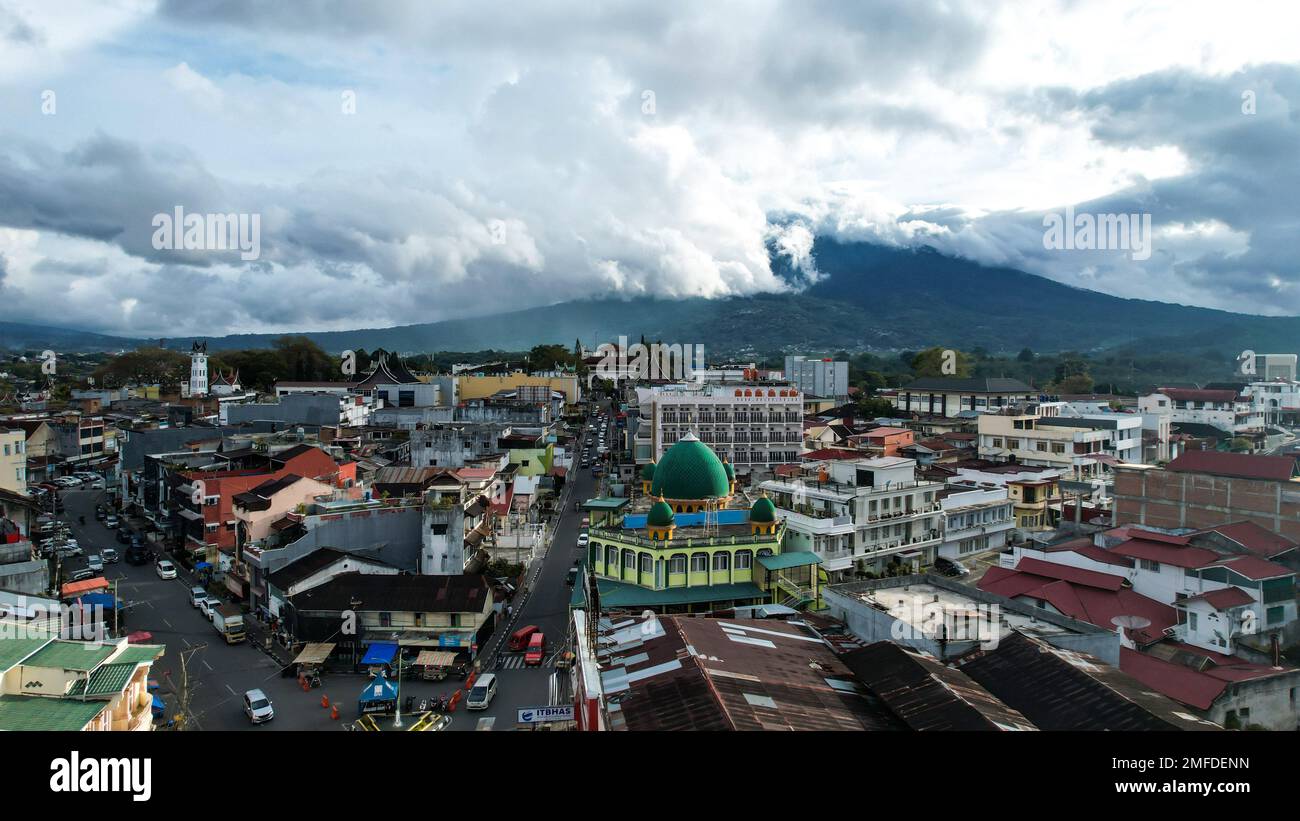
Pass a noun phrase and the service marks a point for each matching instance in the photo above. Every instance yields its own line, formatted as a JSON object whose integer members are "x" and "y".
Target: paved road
{"x": 547, "y": 606}
{"x": 219, "y": 673}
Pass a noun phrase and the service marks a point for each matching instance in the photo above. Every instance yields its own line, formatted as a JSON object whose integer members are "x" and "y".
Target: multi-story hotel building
{"x": 753, "y": 426}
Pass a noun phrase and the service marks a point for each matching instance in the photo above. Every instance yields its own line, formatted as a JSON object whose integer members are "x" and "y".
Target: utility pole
{"x": 183, "y": 715}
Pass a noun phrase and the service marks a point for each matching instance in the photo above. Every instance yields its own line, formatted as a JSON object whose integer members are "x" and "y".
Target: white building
{"x": 1276, "y": 401}
{"x": 754, "y": 426}
{"x": 944, "y": 396}
{"x": 1036, "y": 434}
{"x": 975, "y": 521}
{"x": 824, "y": 378}
{"x": 1226, "y": 410}
{"x": 862, "y": 514}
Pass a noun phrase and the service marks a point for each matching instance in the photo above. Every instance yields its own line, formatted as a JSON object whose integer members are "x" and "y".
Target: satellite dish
{"x": 1131, "y": 622}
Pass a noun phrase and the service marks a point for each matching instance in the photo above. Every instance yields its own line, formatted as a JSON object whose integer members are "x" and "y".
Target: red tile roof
{"x": 1199, "y": 395}
{"x": 1255, "y": 568}
{"x": 1178, "y": 556}
{"x": 1101, "y": 554}
{"x": 1093, "y": 604}
{"x": 1224, "y": 598}
{"x": 1239, "y": 465}
{"x": 1174, "y": 680}
{"x": 1076, "y": 575}
{"x": 1258, "y": 540}
{"x": 831, "y": 454}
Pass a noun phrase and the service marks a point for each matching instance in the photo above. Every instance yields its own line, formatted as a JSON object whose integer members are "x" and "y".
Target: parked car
{"x": 258, "y": 707}
{"x": 137, "y": 555}
{"x": 110, "y": 555}
{"x": 123, "y": 536}
{"x": 81, "y": 574}
{"x": 165, "y": 569}
{"x": 111, "y": 521}
{"x": 582, "y": 539}
{"x": 209, "y": 605}
{"x": 95, "y": 563}
{"x": 100, "y": 514}
{"x": 948, "y": 567}
{"x": 197, "y": 594}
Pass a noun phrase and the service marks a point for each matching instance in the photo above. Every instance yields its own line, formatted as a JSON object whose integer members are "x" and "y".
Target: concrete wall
{"x": 870, "y": 624}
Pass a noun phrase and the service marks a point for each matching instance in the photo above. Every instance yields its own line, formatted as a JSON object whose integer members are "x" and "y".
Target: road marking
{"x": 169, "y": 624}
{"x": 205, "y": 664}
{"x": 232, "y": 692}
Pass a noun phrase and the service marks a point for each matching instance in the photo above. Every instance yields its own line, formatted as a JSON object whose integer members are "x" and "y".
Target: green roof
{"x": 109, "y": 678}
{"x": 140, "y": 652}
{"x": 648, "y": 471}
{"x": 604, "y": 503}
{"x": 690, "y": 470}
{"x": 621, "y": 594}
{"x": 660, "y": 515}
{"x": 13, "y": 651}
{"x": 763, "y": 511}
{"x": 729, "y": 470}
{"x": 83, "y": 656}
{"x": 37, "y": 713}
{"x": 794, "y": 558}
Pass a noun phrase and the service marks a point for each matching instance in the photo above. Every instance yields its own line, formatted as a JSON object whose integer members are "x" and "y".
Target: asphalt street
{"x": 218, "y": 674}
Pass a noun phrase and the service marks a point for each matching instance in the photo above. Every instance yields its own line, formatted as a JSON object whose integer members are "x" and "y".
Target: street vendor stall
{"x": 434, "y": 665}
{"x": 311, "y": 661}
{"x": 379, "y": 696}
{"x": 379, "y": 658}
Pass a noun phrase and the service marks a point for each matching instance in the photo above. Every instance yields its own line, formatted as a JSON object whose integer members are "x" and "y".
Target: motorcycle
{"x": 424, "y": 705}
{"x": 409, "y": 703}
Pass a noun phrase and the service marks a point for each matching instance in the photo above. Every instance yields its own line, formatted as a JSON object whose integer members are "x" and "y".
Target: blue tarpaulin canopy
{"x": 381, "y": 653}
{"x": 380, "y": 691}
{"x": 158, "y": 707}
{"x": 104, "y": 600}
{"x": 203, "y": 566}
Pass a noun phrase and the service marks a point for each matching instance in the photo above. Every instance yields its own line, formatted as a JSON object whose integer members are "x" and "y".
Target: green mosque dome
{"x": 690, "y": 471}
{"x": 660, "y": 515}
{"x": 763, "y": 511}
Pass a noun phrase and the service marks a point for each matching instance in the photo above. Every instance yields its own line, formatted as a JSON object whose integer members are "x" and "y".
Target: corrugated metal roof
{"x": 34, "y": 713}
{"x": 108, "y": 678}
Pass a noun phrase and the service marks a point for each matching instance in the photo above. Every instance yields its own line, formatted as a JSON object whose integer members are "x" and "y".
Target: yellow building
{"x": 470, "y": 386}
{"x": 13, "y": 460}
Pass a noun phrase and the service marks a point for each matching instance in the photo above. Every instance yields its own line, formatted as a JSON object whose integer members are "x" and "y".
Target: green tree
{"x": 942, "y": 362}
{"x": 1025, "y": 355}
{"x": 304, "y": 361}
{"x": 143, "y": 366}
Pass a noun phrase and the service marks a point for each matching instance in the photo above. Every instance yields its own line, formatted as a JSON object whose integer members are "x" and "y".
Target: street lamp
{"x": 397, "y": 638}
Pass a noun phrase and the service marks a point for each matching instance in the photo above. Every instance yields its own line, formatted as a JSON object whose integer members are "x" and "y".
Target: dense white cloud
{"x": 414, "y": 161}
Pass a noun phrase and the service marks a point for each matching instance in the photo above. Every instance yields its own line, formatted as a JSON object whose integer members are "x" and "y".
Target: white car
{"x": 165, "y": 569}
{"x": 258, "y": 707}
{"x": 582, "y": 540}
{"x": 209, "y": 605}
{"x": 197, "y": 594}
{"x": 482, "y": 693}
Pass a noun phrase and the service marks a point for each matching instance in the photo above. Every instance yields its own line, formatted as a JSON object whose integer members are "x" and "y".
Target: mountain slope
{"x": 870, "y": 297}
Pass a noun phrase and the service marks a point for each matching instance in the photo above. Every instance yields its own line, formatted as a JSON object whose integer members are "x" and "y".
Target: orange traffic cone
{"x": 334, "y": 712}
{"x": 324, "y": 700}
{"x": 305, "y": 685}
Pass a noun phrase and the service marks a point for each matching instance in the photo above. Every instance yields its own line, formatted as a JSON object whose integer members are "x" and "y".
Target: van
{"x": 520, "y": 638}
{"x": 536, "y": 649}
{"x": 482, "y": 693}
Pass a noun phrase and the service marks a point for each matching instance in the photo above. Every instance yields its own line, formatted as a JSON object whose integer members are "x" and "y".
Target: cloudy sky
{"x": 415, "y": 161}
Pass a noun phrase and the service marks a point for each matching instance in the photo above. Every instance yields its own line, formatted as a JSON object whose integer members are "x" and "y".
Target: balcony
{"x": 818, "y": 523}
